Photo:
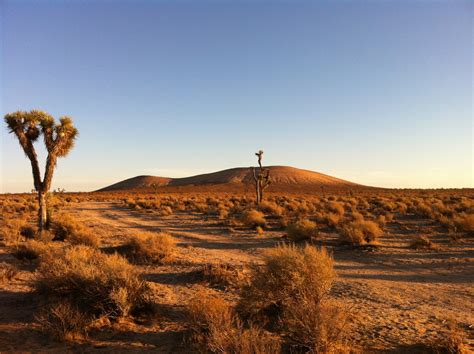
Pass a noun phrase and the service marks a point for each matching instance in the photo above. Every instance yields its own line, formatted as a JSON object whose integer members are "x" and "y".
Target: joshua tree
{"x": 59, "y": 140}
{"x": 262, "y": 178}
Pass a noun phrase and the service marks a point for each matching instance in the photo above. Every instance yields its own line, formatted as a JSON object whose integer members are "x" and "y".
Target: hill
{"x": 283, "y": 178}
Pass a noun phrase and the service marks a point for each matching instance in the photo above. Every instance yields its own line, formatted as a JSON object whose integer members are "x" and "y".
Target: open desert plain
{"x": 137, "y": 267}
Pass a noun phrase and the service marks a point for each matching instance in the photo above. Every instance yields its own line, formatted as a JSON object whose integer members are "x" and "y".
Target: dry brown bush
{"x": 216, "y": 328}
{"x": 336, "y": 207}
{"x": 68, "y": 228}
{"x": 360, "y": 232}
{"x": 224, "y": 275}
{"x": 30, "y": 250}
{"x": 63, "y": 321}
{"x": 7, "y": 272}
{"x": 91, "y": 281}
{"x": 271, "y": 208}
{"x": 317, "y": 326}
{"x": 302, "y": 229}
{"x": 253, "y": 218}
{"x": 465, "y": 222}
{"x": 287, "y": 273}
{"x": 422, "y": 242}
{"x": 150, "y": 247}
{"x": 452, "y": 341}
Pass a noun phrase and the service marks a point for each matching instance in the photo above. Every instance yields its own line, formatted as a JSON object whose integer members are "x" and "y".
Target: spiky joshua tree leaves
{"x": 261, "y": 178}
{"x": 59, "y": 140}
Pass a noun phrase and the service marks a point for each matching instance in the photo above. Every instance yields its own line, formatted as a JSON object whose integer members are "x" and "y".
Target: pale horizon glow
{"x": 377, "y": 93}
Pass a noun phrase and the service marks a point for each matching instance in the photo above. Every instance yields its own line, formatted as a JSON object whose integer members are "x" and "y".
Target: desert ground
{"x": 403, "y": 262}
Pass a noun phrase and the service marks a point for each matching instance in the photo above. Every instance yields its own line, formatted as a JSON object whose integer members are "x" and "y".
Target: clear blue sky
{"x": 376, "y": 92}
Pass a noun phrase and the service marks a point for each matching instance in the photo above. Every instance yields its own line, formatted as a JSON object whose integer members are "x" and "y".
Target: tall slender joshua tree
{"x": 262, "y": 178}
{"x": 59, "y": 140}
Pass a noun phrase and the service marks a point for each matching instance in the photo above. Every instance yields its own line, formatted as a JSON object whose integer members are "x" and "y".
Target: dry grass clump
{"x": 96, "y": 283}
{"x": 68, "y": 228}
{"x": 359, "y": 233}
{"x": 7, "y": 272}
{"x": 150, "y": 248}
{"x": 216, "y": 328}
{"x": 422, "y": 242}
{"x": 302, "y": 229}
{"x": 253, "y": 218}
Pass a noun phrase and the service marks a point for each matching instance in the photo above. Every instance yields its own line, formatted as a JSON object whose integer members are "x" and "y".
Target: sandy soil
{"x": 400, "y": 297}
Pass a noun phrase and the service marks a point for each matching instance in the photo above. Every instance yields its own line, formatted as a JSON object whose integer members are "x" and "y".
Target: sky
{"x": 375, "y": 92}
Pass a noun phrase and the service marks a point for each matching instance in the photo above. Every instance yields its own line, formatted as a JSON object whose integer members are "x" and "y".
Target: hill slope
{"x": 283, "y": 178}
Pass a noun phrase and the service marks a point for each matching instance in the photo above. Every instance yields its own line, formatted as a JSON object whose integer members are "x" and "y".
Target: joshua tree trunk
{"x": 262, "y": 179}
{"x": 43, "y": 211}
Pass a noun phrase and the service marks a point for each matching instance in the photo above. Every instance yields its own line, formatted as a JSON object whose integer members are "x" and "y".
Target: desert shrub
{"x": 27, "y": 232}
{"x": 253, "y": 218}
{"x": 149, "y": 248}
{"x": 223, "y": 275}
{"x": 165, "y": 210}
{"x": 451, "y": 341}
{"x": 465, "y": 223}
{"x": 10, "y": 231}
{"x": 63, "y": 321}
{"x": 287, "y": 273}
{"x": 223, "y": 213}
{"x": 216, "y": 328}
{"x": 30, "y": 250}
{"x": 271, "y": 208}
{"x": 360, "y": 232}
{"x": 7, "y": 272}
{"x": 332, "y": 220}
{"x": 302, "y": 229}
{"x": 316, "y": 326}
{"x": 422, "y": 242}
{"x": 336, "y": 207}
{"x": 68, "y": 228}
{"x": 290, "y": 293}
{"x": 356, "y": 216}
{"x": 91, "y": 281}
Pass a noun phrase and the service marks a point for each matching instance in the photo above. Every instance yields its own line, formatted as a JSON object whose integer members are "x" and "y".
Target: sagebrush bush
{"x": 422, "y": 242}
{"x": 287, "y": 273}
{"x": 216, "y": 328}
{"x": 451, "y": 341}
{"x": 223, "y": 275}
{"x": 360, "y": 232}
{"x": 150, "y": 247}
{"x": 302, "y": 229}
{"x": 271, "y": 208}
{"x": 465, "y": 223}
{"x": 7, "y": 272}
{"x": 253, "y": 218}
{"x": 91, "y": 281}
{"x": 67, "y": 228}
{"x": 63, "y": 321}
{"x": 30, "y": 250}
{"x": 316, "y": 326}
